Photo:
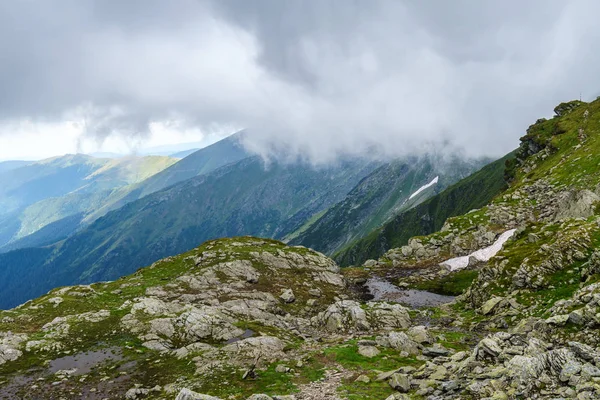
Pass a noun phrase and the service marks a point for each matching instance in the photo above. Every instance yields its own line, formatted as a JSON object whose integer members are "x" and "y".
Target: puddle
{"x": 385, "y": 291}
{"x": 248, "y": 333}
{"x": 43, "y": 383}
{"x": 84, "y": 362}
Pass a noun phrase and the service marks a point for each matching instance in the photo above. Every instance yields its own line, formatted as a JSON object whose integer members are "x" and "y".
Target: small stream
{"x": 382, "y": 290}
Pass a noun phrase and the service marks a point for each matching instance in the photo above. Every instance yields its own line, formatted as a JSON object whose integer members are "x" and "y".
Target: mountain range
{"x": 217, "y": 191}
{"x": 487, "y": 289}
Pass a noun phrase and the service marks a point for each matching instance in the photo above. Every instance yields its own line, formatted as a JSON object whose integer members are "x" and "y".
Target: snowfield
{"x": 454, "y": 264}
{"x": 433, "y": 182}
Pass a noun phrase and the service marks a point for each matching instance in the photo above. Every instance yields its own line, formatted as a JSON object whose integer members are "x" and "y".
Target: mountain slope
{"x": 247, "y": 197}
{"x": 13, "y": 164}
{"x": 203, "y": 161}
{"x": 51, "y": 190}
{"x": 387, "y": 191}
{"x": 472, "y": 192}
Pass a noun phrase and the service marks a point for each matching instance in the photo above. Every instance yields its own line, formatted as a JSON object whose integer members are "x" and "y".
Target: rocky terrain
{"x": 508, "y": 307}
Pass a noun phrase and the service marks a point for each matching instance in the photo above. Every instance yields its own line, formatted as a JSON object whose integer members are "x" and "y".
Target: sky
{"x": 314, "y": 79}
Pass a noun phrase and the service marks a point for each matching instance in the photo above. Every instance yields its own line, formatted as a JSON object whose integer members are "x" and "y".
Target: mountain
{"x": 386, "y": 192}
{"x": 183, "y": 154}
{"x": 472, "y": 192}
{"x": 8, "y": 165}
{"x": 247, "y": 197}
{"x": 221, "y": 153}
{"x": 105, "y": 190}
{"x": 47, "y": 191}
{"x": 501, "y": 302}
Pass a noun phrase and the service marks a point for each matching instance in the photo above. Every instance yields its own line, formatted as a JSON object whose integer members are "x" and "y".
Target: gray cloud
{"x": 314, "y": 78}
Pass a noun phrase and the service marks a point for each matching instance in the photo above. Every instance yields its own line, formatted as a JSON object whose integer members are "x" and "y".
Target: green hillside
{"x": 379, "y": 197}
{"x": 472, "y": 192}
{"x": 248, "y": 197}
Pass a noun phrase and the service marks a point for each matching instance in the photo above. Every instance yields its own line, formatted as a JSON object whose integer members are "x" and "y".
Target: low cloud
{"x": 313, "y": 80}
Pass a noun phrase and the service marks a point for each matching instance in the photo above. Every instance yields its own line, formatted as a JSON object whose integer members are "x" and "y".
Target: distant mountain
{"x": 247, "y": 197}
{"x": 226, "y": 151}
{"x": 8, "y": 165}
{"x": 470, "y": 193}
{"x": 184, "y": 153}
{"x": 386, "y": 192}
{"x": 38, "y": 194}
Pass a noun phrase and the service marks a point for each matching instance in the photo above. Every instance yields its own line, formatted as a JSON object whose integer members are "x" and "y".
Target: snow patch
{"x": 433, "y": 182}
{"x": 484, "y": 254}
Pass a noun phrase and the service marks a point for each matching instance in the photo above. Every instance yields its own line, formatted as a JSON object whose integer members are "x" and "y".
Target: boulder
{"x": 288, "y": 296}
{"x": 368, "y": 351}
{"x": 186, "y": 394}
{"x": 399, "y": 382}
{"x": 420, "y": 334}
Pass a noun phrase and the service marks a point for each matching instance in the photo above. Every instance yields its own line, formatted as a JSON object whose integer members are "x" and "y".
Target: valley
{"x": 498, "y": 302}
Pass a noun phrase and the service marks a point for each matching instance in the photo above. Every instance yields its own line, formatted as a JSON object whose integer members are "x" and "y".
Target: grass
{"x": 452, "y": 284}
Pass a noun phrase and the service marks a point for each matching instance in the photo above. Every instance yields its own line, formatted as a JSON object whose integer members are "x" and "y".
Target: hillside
{"x": 48, "y": 191}
{"x": 247, "y": 197}
{"x": 386, "y": 192}
{"x": 12, "y": 164}
{"x": 249, "y": 318}
{"x": 471, "y": 192}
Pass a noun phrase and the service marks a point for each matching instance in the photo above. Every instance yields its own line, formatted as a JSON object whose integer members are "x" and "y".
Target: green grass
{"x": 452, "y": 284}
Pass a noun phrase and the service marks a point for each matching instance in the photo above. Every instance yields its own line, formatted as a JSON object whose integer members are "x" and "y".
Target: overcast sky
{"x": 319, "y": 77}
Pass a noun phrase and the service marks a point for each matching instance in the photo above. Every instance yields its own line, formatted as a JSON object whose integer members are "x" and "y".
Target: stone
{"x": 399, "y": 382}
{"x": 489, "y": 305}
{"x": 558, "y": 320}
{"x": 420, "y": 334}
{"x": 288, "y": 296}
{"x": 186, "y": 394}
{"x": 363, "y": 379}
{"x": 282, "y": 369}
{"x": 435, "y": 351}
{"x": 259, "y": 397}
{"x": 368, "y": 351}
{"x": 399, "y": 341}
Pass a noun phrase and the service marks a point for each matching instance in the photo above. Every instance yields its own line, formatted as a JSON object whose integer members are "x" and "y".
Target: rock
{"x": 368, "y": 351}
{"x": 489, "y": 305}
{"x": 315, "y": 292}
{"x": 420, "y": 334}
{"x": 398, "y": 396}
{"x": 282, "y": 369}
{"x": 139, "y": 393}
{"x": 363, "y": 379}
{"x": 558, "y": 320}
{"x": 399, "y": 341}
{"x": 186, "y": 394}
{"x": 259, "y": 397}
{"x": 370, "y": 263}
{"x": 487, "y": 348}
{"x": 435, "y": 351}
{"x": 288, "y": 296}
{"x": 568, "y": 370}
{"x": 386, "y": 315}
{"x": 400, "y": 382}
{"x": 342, "y": 316}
